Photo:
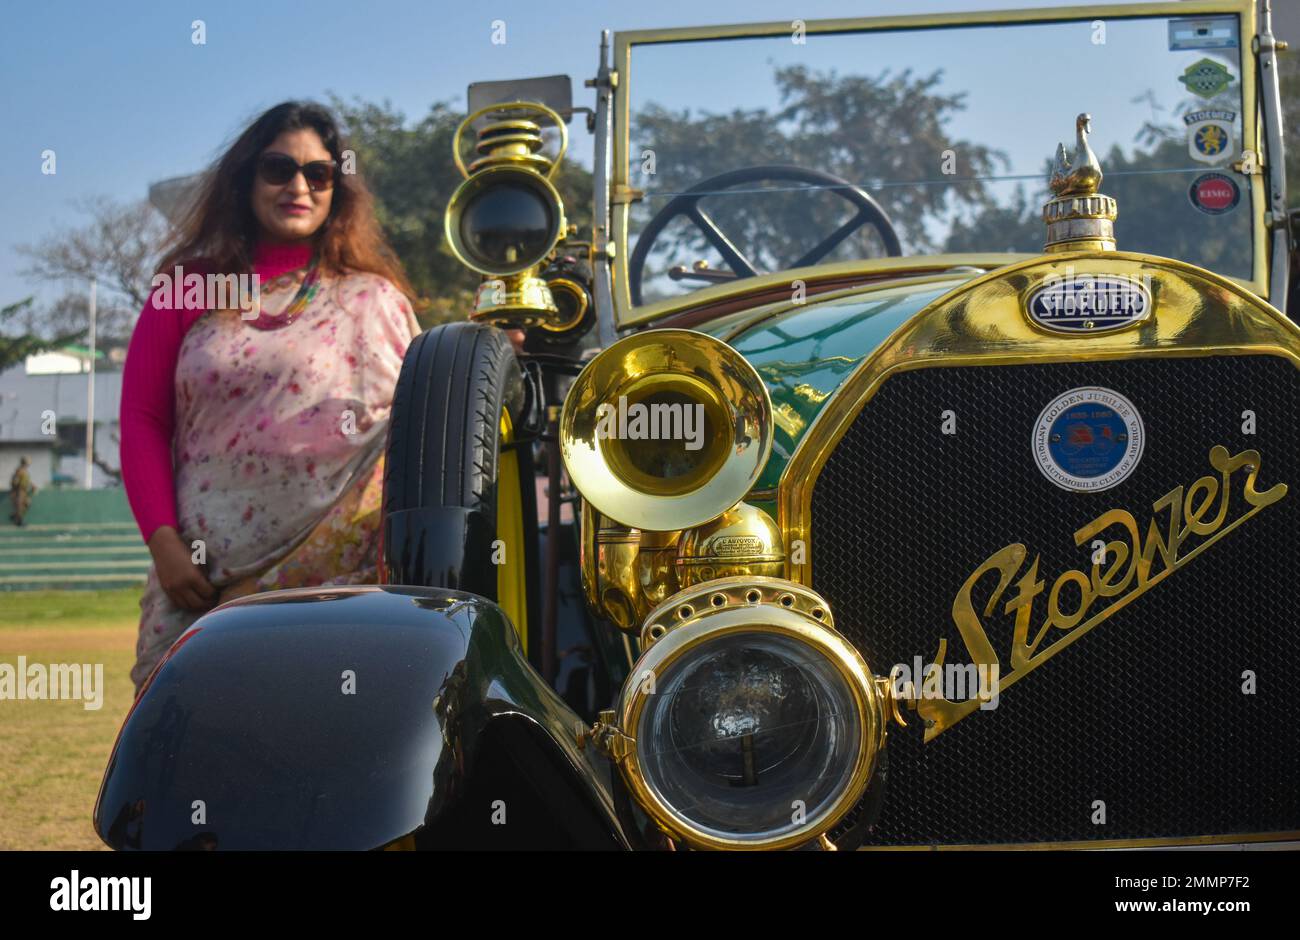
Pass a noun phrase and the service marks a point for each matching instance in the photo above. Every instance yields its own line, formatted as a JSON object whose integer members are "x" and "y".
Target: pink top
{"x": 149, "y": 393}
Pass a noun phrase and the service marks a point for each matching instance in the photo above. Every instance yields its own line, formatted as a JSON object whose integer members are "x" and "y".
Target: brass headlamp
{"x": 748, "y": 722}
{"x": 507, "y": 217}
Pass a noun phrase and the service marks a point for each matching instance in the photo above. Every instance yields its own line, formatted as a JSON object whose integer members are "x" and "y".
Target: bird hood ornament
{"x": 1078, "y": 216}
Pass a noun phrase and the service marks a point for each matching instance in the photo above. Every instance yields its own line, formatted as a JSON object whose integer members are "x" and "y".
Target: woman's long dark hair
{"x": 220, "y": 226}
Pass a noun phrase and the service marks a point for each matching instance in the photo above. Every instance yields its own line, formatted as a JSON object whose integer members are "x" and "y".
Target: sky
{"x": 124, "y": 97}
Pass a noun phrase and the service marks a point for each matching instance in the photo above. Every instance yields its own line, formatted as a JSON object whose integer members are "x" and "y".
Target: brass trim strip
{"x": 958, "y": 18}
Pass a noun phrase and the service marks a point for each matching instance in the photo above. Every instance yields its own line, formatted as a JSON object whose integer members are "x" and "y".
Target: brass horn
{"x": 666, "y": 429}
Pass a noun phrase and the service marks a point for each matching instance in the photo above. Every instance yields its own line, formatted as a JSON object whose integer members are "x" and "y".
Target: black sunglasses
{"x": 277, "y": 169}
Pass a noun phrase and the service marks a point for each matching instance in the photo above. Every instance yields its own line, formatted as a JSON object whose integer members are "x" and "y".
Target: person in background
{"x": 252, "y": 440}
{"x": 21, "y": 491}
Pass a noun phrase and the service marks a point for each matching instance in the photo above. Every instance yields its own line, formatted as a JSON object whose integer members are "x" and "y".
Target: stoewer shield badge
{"x": 1209, "y": 135}
{"x": 1089, "y": 303}
{"x": 1088, "y": 439}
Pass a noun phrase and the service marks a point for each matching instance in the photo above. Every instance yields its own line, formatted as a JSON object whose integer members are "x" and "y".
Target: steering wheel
{"x": 688, "y": 204}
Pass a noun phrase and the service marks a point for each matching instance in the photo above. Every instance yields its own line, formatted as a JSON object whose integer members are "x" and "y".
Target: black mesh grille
{"x": 1146, "y": 711}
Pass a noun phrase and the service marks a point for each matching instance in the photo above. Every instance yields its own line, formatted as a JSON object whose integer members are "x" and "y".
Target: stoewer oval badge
{"x": 1088, "y": 439}
{"x": 1089, "y": 303}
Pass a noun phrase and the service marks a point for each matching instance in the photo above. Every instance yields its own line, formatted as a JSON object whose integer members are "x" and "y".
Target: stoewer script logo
{"x": 1127, "y": 570}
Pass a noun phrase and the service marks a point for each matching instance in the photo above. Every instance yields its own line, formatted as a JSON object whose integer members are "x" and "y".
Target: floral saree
{"x": 278, "y": 445}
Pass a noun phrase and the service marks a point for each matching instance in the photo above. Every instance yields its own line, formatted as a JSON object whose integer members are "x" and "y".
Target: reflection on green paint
{"x": 806, "y": 352}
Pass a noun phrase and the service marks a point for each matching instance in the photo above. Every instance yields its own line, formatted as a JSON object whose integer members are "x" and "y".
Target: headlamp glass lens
{"x": 750, "y": 736}
{"x": 507, "y": 225}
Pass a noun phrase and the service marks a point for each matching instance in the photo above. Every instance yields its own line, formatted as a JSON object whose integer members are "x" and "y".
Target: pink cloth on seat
{"x": 148, "y": 415}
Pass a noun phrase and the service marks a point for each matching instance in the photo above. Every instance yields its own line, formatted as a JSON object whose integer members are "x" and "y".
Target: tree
{"x": 118, "y": 248}
{"x": 410, "y": 171}
{"x": 886, "y": 133}
{"x": 14, "y": 349}
{"x": 1150, "y": 184}
{"x": 1289, "y": 85}
{"x": 1017, "y": 226}
{"x": 408, "y": 168}
{"x": 1156, "y": 215}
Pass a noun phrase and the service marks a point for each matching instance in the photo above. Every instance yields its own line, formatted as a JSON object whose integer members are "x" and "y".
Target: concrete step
{"x": 73, "y": 539}
{"x": 80, "y": 564}
{"x": 71, "y": 551}
{"x": 55, "y": 538}
{"x": 12, "y": 530}
{"x": 79, "y": 581}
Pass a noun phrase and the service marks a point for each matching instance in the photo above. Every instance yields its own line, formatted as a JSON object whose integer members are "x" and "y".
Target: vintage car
{"x": 836, "y": 490}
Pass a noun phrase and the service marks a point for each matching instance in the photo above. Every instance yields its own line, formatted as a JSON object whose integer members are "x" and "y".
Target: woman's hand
{"x": 185, "y": 582}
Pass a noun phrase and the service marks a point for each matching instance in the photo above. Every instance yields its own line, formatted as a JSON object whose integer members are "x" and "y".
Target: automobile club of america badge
{"x": 1088, "y": 439}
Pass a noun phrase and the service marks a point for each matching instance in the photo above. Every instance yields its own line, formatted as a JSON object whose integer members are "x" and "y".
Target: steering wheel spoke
{"x": 832, "y": 241}
{"x": 730, "y": 253}
{"x": 687, "y": 204}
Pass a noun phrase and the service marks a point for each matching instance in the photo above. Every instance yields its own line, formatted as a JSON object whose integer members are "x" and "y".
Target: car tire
{"x": 443, "y": 454}
{"x": 444, "y": 429}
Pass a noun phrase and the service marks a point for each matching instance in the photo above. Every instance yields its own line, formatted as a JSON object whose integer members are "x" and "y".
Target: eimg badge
{"x": 1088, "y": 439}
{"x": 1214, "y": 193}
{"x": 1209, "y": 135}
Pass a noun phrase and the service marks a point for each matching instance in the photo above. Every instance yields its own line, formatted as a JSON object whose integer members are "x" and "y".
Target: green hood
{"x": 804, "y": 352}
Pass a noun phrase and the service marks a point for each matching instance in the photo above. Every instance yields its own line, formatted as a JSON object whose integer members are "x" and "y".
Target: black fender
{"x": 353, "y": 718}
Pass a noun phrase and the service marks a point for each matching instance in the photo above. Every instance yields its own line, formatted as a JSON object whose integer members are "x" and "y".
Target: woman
{"x": 252, "y": 440}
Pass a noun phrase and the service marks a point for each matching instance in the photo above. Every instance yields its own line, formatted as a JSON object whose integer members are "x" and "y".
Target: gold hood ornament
{"x": 1078, "y": 217}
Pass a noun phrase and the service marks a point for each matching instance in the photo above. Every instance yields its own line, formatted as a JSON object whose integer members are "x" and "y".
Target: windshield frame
{"x": 622, "y": 191}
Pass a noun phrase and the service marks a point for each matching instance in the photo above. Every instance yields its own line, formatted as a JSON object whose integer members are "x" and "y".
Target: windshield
{"x": 950, "y": 131}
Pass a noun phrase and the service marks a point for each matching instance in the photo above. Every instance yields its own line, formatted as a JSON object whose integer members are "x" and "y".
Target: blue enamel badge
{"x": 1088, "y": 439}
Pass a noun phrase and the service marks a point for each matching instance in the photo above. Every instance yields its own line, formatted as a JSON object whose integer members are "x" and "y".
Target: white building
{"x": 43, "y": 417}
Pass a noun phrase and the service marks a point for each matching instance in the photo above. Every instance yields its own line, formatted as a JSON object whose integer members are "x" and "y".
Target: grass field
{"x": 52, "y": 753}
